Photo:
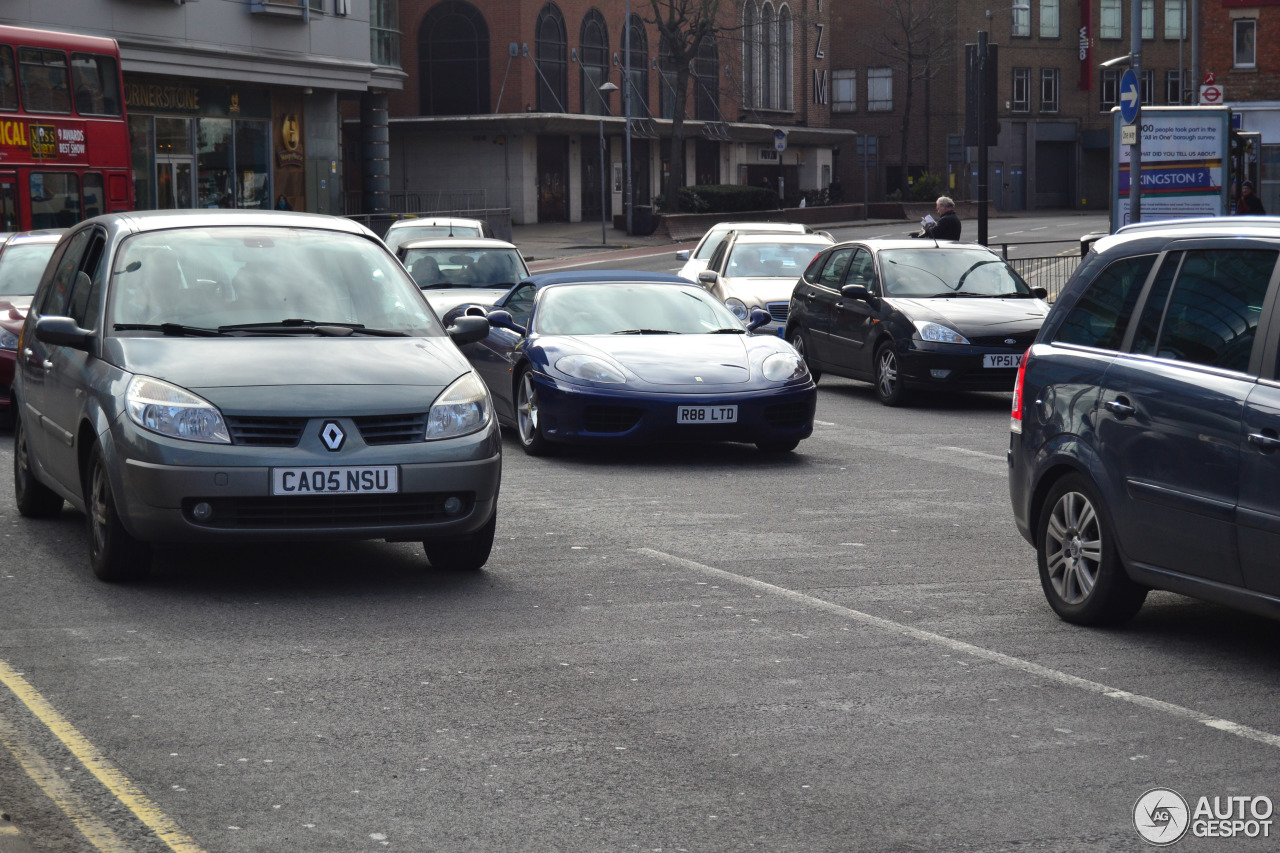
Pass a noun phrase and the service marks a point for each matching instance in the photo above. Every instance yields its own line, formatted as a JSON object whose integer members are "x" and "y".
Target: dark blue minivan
{"x": 1145, "y": 445}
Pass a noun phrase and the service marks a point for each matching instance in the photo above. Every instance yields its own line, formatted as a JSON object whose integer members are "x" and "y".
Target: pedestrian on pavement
{"x": 282, "y": 203}
{"x": 1248, "y": 203}
{"x": 947, "y": 224}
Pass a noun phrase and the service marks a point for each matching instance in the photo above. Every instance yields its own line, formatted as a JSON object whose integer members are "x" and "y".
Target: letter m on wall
{"x": 819, "y": 85}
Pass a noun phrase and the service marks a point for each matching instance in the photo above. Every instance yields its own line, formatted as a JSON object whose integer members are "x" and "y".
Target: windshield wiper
{"x": 646, "y": 332}
{"x": 170, "y": 329}
{"x": 727, "y": 332}
{"x": 313, "y": 327}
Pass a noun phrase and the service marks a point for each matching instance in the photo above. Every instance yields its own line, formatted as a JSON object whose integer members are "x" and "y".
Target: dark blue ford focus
{"x": 624, "y": 360}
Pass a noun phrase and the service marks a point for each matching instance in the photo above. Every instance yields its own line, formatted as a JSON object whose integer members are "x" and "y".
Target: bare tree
{"x": 917, "y": 37}
{"x": 682, "y": 25}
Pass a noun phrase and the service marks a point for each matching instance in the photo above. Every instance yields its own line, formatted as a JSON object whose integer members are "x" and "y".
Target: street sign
{"x": 1129, "y": 134}
{"x": 1211, "y": 96}
{"x": 1130, "y": 96}
{"x": 780, "y": 140}
{"x": 1209, "y": 79}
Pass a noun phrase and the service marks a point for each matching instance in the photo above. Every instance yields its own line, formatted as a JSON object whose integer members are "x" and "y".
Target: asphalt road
{"x": 671, "y": 649}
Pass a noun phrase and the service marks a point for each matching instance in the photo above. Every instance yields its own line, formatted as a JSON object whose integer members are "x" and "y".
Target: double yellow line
{"x": 99, "y": 834}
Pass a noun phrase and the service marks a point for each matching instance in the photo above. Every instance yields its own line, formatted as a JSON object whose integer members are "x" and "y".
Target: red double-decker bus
{"x": 64, "y": 137}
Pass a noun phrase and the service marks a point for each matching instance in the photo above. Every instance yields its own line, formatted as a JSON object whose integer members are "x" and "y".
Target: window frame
{"x": 879, "y": 78}
{"x": 1109, "y": 89}
{"x": 1236, "y": 25}
{"x": 1114, "y": 29}
{"x": 847, "y": 76}
{"x": 1175, "y": 11}
{"x": 1050, "y": 81}
{"x": 1050, "y": 19}
{"x": 1020, "y": 91}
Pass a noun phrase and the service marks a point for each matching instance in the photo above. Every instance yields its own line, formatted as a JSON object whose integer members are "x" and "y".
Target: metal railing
{"x": 1048, "y": 271}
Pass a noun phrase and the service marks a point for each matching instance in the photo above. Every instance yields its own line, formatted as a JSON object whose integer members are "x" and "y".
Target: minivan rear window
{"x": 1101, "y": 317}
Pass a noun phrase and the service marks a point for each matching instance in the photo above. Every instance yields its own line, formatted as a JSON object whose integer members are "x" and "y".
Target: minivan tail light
{"x": 1015, "y": 417}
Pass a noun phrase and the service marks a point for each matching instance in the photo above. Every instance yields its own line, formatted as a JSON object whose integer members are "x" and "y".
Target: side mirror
{"x": 757, "y": 318}
{"x": 856, "y": 291}
{"x": 468, "y": 330}
{"x": 1042, "y": 292}
{"x": 502, "y": 320}
{"x": 707, "y": 278}
{"x": 63, "y": 332}
{"x": 682, "y": 255}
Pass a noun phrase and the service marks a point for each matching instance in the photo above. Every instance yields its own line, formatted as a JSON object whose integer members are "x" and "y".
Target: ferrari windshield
{"x": 214, "y": 278}
{"x": 930, "y": 271}
{"x": 611, "y": 309}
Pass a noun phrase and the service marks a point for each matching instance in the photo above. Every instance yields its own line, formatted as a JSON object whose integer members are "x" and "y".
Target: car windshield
{"x": 770, "y": 260}
{"x": 716, "y": 236}
{"x": 611, "y": 309}
{"x": 21, "y": 266}
{"x": 209, "y": 278}
{"x": 934, "y": 272}
{"x": 453, "y": 267}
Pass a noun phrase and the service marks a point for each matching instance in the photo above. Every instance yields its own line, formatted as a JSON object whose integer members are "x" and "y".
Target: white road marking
{"x": 967, "y": 452}
{"x": 1000, "y": 658}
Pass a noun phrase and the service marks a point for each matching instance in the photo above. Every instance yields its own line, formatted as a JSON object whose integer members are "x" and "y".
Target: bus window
{"x": 44, "y": 80}
{"x": 8, "y": 80}
{"x": 94, "y": 196}
{"x": 55, "y": 199}
{"x": 9, "y": 202}
{"x": 95, "y": 77}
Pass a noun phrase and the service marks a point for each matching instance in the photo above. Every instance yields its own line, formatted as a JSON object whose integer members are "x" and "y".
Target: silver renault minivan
{"x": 238, "y": 376}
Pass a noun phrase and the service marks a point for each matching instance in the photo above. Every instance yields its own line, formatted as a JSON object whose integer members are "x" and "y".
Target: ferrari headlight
{"x": 169, "y": 410}
{"x": 463, "y": 408}
{"x": 590, "y": 369}
{"x": 738, "y": 307}
{"x": 8, "y": 340}
{"x": 784, "y": 367}
{"x": 938, "y": 333}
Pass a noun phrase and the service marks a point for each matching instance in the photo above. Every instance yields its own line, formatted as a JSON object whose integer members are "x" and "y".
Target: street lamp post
{"x": 604, "y": 89}
{"x": 626, "y": 101}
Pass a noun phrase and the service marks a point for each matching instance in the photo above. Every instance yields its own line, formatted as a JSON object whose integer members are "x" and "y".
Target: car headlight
{"x": 8, "y": 340}
{"x": 590, "y": 368}
{"x": 784, "y": 367}
{"x": 463, "y": 408}
{"x": 938, "y": 333}
{"x": 738, "y": 307}
{"x": 169, "y": 410}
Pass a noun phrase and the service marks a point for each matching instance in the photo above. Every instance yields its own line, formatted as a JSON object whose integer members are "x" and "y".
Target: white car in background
{"x": 433, "y": 227}
{"x": 696, "y": 261}
{"x": 460, "y": 271}
{"x": 760, "y": 270}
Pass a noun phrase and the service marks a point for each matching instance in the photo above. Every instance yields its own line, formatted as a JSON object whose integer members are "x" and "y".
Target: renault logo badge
{"x": 332, "y": 435}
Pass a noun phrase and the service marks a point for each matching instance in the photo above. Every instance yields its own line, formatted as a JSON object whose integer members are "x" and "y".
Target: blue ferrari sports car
{"x": 602, "y": 358}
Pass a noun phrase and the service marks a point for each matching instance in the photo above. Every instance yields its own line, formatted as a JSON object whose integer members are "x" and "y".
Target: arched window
{"x": 453, "y": 61}
{"x": 552, "y": 49}
{"x": 750, "y": 53}
{"x": 706, "y": 81}
{"x": 639, "y": 69}
{"x": 594, "y": 57}
{"x": 786, "y": 70}
{"x": 768, "y": 58}
{"x": 666, "y": 80}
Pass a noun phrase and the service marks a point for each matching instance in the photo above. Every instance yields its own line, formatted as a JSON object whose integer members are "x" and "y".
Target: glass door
{"x": 175, "y": 179}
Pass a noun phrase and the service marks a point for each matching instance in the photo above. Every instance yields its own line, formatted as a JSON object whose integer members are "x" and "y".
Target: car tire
{"x": 777, "y": 446}
{"x": 1080, "y": 568}
{"x": 890, "y": 388}
{"x": 463, "y": 553}
{"x": 114, "y": 554}
{"x": 528, "y": 422}
{"x": 34, "y": 499}
{"x": 801, "y": 344}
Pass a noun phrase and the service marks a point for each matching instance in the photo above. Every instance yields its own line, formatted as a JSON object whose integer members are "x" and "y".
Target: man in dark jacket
{"x": 1248, "y": 202}
{"x": 947, "y": 224}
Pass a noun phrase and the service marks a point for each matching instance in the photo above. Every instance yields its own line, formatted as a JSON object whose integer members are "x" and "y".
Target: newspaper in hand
{"x": 928, "y": 220}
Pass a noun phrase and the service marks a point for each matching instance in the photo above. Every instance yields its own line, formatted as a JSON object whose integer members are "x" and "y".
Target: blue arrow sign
{"x": 1129, "y": 96}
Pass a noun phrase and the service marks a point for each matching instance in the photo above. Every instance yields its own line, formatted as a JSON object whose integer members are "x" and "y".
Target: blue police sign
{"x": 1130, "y": 96}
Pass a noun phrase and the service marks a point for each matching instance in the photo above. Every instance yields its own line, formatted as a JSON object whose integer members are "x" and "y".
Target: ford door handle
{"x": 1121, "y": 408}
{"x": 1265, "y": 442}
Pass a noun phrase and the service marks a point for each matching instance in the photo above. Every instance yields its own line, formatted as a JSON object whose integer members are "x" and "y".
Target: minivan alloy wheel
{"x": 1073, "y": 547}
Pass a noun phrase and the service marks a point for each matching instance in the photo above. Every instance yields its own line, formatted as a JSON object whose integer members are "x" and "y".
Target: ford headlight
{"x": 938, "y": 333}
{"x": 738, "y": 307}
{"x": 169, "y": 410}
{"x": 463, "y": 408}
{"x": 8, "y": 340}
{"x": 590, "y": 369}
{"x": 784, "y": 367}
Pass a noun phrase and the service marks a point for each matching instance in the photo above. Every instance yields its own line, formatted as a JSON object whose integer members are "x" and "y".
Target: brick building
{"x": 1053, "y": 100}
{"x": 502, "y": 105}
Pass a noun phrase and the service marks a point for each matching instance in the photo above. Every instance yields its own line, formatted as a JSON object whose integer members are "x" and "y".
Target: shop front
{"x": 207, "y": 146}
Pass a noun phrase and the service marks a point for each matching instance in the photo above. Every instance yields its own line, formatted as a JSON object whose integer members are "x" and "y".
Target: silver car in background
{"x": 758, "y": 270}
{"x": 238, "y": 376}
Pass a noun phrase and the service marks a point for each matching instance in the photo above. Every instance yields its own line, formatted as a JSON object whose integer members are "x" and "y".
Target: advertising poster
{"x": 1184, "y": 164}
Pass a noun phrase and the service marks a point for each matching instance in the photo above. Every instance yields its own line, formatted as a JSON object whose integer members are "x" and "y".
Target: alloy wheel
{"x": 527, "y": 409}
{"x": 1073, "y": 548}
{"x": 887, "y": 375}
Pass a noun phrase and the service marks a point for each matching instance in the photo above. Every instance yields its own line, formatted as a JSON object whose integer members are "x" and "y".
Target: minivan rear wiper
{"x": 171, "y": 329}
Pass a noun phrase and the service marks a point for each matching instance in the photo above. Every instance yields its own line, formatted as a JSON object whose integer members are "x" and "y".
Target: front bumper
{"x": 957, "y": 367}
{"x": 593, "y": 415}
{"x": 158, "y": 482}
